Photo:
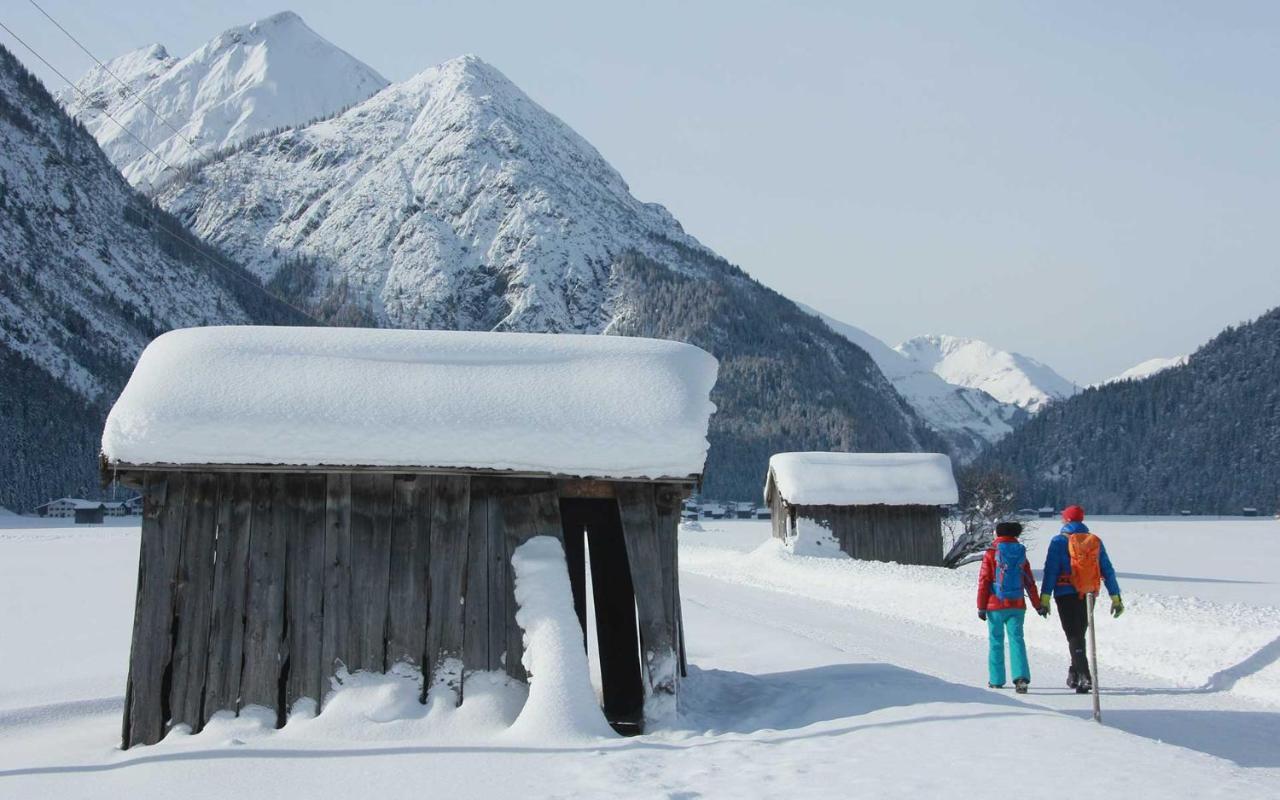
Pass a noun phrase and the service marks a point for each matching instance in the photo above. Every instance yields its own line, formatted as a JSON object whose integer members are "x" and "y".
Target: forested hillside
{"x": 787, "y": 381}
{"x": 90, "y": 271}
{"x": 1203, "y": 437}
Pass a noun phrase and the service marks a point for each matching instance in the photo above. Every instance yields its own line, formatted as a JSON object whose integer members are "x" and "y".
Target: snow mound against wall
{"x": 562, "y": 704}
{"x": 812, "y": 538}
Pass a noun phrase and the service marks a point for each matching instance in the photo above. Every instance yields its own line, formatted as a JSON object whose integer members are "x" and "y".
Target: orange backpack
{"x": 1086, "y": 574}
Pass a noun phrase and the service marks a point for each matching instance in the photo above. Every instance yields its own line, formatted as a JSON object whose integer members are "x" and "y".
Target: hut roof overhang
{"x": 334, "y": 399}
{"x": 859, "y": 479}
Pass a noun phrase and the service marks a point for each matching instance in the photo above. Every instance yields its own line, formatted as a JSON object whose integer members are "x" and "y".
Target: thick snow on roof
{"x": 600, "y": 406}
{"x": 853, "y": 479}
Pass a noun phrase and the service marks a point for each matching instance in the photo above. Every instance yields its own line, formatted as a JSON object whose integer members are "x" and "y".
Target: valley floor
{"x": 809, "y": 678}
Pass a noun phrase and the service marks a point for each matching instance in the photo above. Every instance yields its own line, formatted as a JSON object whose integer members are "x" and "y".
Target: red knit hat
{"x": 1073, "y": 514}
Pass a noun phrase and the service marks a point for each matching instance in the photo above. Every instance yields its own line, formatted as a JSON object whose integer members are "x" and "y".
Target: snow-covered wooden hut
{"x": 326, "y": 499}
{"x": 872, "y": 506}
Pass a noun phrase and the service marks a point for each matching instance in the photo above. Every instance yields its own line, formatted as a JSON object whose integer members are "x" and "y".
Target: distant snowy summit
{"x": 1008, "y": 377}
{"x": 248, "y": 80}
{"x": 1148, "y": 368}
{"x": 969, "y": 419}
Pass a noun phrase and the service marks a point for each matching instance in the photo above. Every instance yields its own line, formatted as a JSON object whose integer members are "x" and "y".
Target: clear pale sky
{"x": 1090, "y": 183}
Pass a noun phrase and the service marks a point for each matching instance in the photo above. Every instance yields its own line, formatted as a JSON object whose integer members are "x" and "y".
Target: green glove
{"x": 1117, "y": 605}
{"x": 1045, "y": 599}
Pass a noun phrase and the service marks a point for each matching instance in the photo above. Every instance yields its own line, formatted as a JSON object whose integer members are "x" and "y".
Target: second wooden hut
{"x": 872, "y": 506}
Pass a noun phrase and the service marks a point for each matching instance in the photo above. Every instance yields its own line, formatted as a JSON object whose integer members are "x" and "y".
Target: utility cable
{"x": 119, "y": 80}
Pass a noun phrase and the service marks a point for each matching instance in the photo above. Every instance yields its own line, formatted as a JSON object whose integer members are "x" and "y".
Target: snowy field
{"x": 809, "y": 678}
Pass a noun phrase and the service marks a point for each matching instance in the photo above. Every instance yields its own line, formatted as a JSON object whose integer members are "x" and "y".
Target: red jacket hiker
{"x": 987, "y": 599}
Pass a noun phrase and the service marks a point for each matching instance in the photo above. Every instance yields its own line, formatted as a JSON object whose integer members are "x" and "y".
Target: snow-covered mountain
{"x": 250, "y": 79}
{"x": 452, "y": 200}
{"x": 968, "y": 419}
{"x": 1148, "y": 368}
{"x": 90, "y": 272}
{"x": 1008, "y": 377}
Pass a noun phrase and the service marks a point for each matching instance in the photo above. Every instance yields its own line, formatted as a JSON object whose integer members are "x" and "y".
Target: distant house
{"x": 115, "y": 509}
{"x": 1249, "y": 511}
{"x": 1047, "y": 512}
{"x": 133, "y": 506}
{"x": 744, "y": 510}
{"x": 872, "y": 506}
{"x": 69, "y": 507}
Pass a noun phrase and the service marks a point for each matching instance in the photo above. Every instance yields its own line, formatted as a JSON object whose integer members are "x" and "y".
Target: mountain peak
{"x": 1007, "y": 376}
{"x": 247, "y": 80}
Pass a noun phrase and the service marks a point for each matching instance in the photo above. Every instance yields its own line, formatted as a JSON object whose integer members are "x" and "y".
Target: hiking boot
{"x": 1073, "y": 680}
{"x": 1084, "y": 685}
{"x": 1020, "y": 685}
{"x": 995, "y": 685}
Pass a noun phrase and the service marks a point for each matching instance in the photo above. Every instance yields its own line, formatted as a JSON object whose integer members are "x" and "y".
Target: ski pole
{"x": 1093, "y": 660}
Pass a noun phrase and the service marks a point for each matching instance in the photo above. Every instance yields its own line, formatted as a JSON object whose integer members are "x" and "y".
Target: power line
{"x": 85, "y": 95}
{"x": 159, "y": 225}
{"x": 119, "y": 80}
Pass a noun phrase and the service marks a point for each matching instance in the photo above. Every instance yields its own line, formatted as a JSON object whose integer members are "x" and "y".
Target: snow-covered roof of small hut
{"x": 591, "y": 406}
{"x": 860, "y": 479}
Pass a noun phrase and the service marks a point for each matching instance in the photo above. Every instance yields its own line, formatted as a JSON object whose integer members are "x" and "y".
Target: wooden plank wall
{"x": 257, "y": 589}
{"x": 905, "y": 534}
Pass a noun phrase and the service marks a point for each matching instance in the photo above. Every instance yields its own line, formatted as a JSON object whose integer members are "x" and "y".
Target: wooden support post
{"x": 450, "y": 515}
{"x": 193, "y": 602}
{"x": 146, "y": 705}
{"x": 231, "y": 569}
{"x": 655, "y": 610}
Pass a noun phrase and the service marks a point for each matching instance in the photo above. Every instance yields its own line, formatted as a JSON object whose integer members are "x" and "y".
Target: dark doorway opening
{"x": 598, "y": 524}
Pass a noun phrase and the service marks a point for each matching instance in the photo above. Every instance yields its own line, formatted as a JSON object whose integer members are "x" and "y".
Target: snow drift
{"x": 562, "y": 703}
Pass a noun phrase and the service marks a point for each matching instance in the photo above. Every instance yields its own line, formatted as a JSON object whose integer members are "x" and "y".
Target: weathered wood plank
{"x": 192, "y": 602}
{"x": 450, "y": 515}
{"x": 304, "y": 576}
{"x": 499, "y": 581}
{"x": 407, "y": 581}
{"x": 335, "y": 649}
{"x": 668, "y": 535}
{"x": 231, "y": 569}
{"x": 644, "y": 553}
{"x": 264, "y": 645}
{"x": 475, "y": 639}
{"x": 370, "y": 569}
{"x": 146, "y": 710}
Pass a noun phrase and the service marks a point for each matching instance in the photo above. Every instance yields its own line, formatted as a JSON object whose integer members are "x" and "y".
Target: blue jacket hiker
{"x": 1076, "y": 547}
{"x": 1003, "y": 580}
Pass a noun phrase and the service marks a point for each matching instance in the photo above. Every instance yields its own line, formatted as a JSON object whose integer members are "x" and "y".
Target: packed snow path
{"x": 789, "y": 696}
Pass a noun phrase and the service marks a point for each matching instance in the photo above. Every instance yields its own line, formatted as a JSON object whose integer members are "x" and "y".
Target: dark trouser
{"x": 1074, "y": 616}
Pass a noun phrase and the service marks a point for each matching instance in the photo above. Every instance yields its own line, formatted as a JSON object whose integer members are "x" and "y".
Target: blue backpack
{"x": 1010, "y": 557}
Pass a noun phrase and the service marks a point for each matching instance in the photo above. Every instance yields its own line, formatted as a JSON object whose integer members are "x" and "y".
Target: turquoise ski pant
{"x": 1002, "y": 624}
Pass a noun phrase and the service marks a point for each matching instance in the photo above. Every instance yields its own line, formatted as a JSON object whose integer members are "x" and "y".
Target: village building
{"x": 321, "y": 500}
{"x": 871, "y": 506}
{"x": 83, "y": 511}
